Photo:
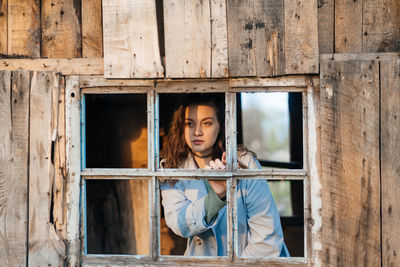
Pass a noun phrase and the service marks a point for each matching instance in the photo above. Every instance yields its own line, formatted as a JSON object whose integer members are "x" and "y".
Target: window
{"x": 111, "y": 119}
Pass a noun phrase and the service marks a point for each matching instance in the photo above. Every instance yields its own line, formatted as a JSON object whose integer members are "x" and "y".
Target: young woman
{"x": 196, "y": 209}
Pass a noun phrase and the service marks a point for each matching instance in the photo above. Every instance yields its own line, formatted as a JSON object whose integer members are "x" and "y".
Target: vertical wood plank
{"x": 187, "y": 38}
{"x": 326, "y": 24}
{"x": 301, "y": 37}
{"x": 3, "y": 26}
{"x": 219, "y": 39}
{"x": 390, "y": 147}
{"x": 73, "y": 164}
{"x": 61, "y": 28}
{"x": 131, "y": 48}
{"x": 350, "y": 192}
{"x": 348, "y": 26}
{"x": 92, "y": 31}
{"x": 241, "y": 36}
{"x": 14, "y": 146}
{"x": 381, "y": 24}
{"x": 269, "y": 33}
{"x": 45, "y": 246}
{"x": 24, "y": 28}
{"x": 58, "y": 107}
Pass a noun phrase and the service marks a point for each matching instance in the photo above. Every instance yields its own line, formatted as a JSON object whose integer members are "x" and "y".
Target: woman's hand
{"x": 218, "y": 186}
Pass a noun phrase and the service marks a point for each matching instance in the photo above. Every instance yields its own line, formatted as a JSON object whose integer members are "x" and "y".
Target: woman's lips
{"x": 197, "y": 142}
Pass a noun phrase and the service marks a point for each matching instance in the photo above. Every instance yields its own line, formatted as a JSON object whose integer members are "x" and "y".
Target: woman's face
{"x": 201, "y": 128}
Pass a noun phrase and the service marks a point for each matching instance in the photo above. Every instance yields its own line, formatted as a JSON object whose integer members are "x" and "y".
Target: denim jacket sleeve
{"x": 264, "y": 236}
{"x": 184, "y": 216}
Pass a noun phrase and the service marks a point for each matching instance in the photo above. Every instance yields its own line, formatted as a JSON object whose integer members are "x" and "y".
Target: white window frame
{"x": 76, "y": 86}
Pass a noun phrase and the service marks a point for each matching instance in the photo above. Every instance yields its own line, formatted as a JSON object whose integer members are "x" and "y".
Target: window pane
{"x": 270, "y": 124}
{"x": 270, "y": 218}
{"x": 116, "y": 131}
{"x": 117, "y": 217}
{"x": 191, "y": 124}
{"x": 191, "y": 213}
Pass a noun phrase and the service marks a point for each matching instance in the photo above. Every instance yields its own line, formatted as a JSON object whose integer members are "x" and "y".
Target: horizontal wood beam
{"x": 66, "y": 66}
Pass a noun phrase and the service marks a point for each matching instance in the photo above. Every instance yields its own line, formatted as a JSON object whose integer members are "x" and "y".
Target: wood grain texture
{"x": 219, "y": 39}
{"x": 73, "y": 166}
{"x": 187, "y": 38}
{"x": 14, "y": 151}
{"x": 45, "y": 246}
{"x": 350, "y": 192}
{"x": 3, "y": 26}
{"x": 92, "y": 31}
{"x": 61, "y": 28}
{"x": 381, "y": 26}
{"x": 67, "y": 66}
{"x": 24, "y": 28}
{"x": 131, "y": 48}
{"x": 301, "y": 37}
{"x": 242, "y": 61}
{"x": 269, "y": 29}
{"x": 326, "y": 22}
{"x": 58, "y": 122}
{"x": 390, "y": 147}
{"x": 348, "y": 26}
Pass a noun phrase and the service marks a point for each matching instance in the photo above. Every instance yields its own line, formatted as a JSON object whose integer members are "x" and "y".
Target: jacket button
{"x": 198, "y": 241}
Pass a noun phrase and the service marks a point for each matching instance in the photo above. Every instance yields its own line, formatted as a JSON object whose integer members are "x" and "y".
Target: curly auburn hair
{"x": 175, "y": 150}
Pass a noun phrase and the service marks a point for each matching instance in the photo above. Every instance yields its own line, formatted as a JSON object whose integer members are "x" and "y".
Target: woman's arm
{"x": 186, "y": 218}
{"x": 264, "y": 236}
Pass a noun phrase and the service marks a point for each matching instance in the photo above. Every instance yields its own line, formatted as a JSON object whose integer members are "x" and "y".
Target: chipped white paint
{"x": 72, "y": 127}
{"x": 314, "y": 179}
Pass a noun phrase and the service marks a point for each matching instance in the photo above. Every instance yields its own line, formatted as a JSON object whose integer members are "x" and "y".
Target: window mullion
{"x": 231, "y": 159}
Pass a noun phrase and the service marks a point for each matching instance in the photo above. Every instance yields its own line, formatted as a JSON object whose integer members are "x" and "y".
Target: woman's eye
{"x": 189, "y": 124}
{"x": 208, "y": 123}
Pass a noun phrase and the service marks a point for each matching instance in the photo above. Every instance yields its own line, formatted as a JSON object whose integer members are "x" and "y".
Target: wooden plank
{"x": 381, "y": 25}
{"x": 61, "y": 28}
{"x": 286, "y": 81}
{"x": 73, "y": 159}
{"x": 241, "y": 36}
{"x": 350, "y": 180}
{"x": 301, "y": 37}
{"x": 219, "y": 39}
{"x": 58, "y": 107}
{"x": 187, "y": 38}
{"x": 92, "y": 31}
{"x": 348, "y": 26}
{"x": 390, "y": 168}
{"x": 73, "y": 66}
{"x": 24, "y": 28}
{"x": 269, "y": 35}
{"x": 121, "y": 260}
{"x": 14, "y": 151}
{"x": 131, "y": 48}
{"x": 326, "y": 23}
{"x": 45, "y": 246}
{"x": 367, "y": 56}
{"x": 97, "y": 81}
{"x": 3, "y": 26}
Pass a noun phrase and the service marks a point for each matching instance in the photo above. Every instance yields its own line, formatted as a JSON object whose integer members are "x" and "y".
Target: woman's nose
{"x": 198, "y": 131}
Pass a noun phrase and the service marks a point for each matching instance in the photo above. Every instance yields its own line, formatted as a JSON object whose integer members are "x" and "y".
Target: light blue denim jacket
{"x": 259, "y": 227}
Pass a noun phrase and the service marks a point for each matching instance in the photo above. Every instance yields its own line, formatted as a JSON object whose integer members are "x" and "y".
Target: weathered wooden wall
{"x": 359, "y": 101}
{"x": 31, "y": 176}
{"x": 360, "y": 26}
